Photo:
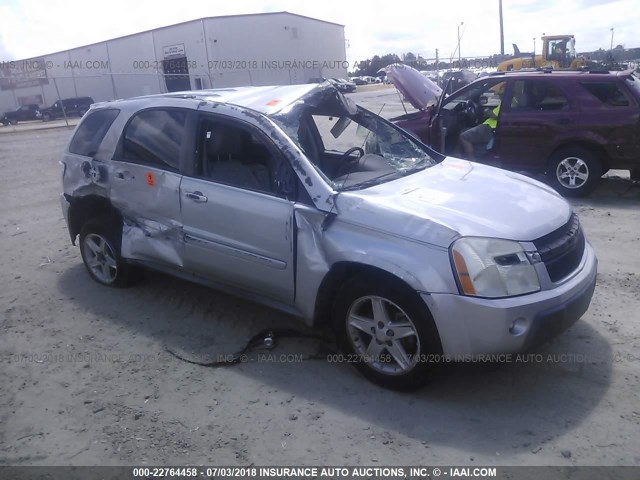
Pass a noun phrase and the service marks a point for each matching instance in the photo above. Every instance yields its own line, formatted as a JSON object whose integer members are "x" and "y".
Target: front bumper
{"x": 471, "y": 326}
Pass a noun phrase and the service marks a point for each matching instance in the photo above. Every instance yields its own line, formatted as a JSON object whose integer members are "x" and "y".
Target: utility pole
{"x": 611, "y": 40}
{"x": 437, "y": 64}
{"x": 501, "y": 30}
{"x": 459, "y": 53}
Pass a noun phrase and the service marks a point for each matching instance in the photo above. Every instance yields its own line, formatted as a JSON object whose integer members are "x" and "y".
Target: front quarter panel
{"x": 423, "y": 267}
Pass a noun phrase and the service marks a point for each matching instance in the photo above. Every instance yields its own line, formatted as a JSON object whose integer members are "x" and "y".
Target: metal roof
{"x": 266, "y": 100}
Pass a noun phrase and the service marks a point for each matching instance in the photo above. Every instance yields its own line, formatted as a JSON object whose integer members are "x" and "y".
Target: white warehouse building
{"x": 257, "y": 49}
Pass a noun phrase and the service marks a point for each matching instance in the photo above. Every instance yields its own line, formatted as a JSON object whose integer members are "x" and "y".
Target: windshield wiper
{"x": 378, "y": 180}
{"x": 370, "y": 182}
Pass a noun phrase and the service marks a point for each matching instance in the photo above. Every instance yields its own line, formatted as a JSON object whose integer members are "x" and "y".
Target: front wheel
{"x": 385, "y": 330}
{"x": 574, "y": 172}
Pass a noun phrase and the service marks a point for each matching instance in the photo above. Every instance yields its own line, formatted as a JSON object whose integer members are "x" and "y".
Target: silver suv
{"x": 297, "y": 198}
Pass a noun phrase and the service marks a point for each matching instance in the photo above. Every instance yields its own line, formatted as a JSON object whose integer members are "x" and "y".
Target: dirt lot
{"x": 86, "y": 379}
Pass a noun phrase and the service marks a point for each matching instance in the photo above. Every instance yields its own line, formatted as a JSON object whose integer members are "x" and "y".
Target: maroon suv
{"x": 572, "y": 126}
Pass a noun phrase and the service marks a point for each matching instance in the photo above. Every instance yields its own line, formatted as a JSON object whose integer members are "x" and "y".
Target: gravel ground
{"x": 86, "y": 378}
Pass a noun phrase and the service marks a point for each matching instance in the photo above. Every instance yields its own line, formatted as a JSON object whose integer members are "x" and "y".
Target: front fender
{"x": 423, "y": 267}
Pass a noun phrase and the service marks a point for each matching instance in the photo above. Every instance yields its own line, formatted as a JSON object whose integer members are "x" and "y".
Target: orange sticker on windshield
{"x": 151, "y": 180}
{"x": 273, "y": 103}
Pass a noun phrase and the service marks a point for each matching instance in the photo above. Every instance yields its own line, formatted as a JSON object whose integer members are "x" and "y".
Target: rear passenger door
{"x": 238, "y": 221}
{"x": 145, "y": 184}
{"x": 537, "y": 113}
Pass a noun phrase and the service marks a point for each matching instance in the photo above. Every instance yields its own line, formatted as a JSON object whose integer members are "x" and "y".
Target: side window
{"x": 608, "y": 93}
{"x": 236, "y": 156}
{"x": 546, "y": 95}
{"x": 155, "y": 137}
{"x": 523, "y": 97}
{"x": 91, "y": 131}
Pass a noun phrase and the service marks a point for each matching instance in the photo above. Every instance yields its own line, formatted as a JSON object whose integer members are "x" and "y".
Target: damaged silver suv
{"x": 296, "y": 198}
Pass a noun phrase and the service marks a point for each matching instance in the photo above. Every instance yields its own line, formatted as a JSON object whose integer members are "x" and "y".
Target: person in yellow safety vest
{"x": 481, "y": 134}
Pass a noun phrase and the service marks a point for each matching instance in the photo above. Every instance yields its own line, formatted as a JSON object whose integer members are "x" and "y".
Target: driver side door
{"x": 238, "y": 225}
{"x": 464, "y": 109}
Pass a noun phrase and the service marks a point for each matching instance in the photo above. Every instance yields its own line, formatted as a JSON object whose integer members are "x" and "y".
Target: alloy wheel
{"x": 572, "y": 172}
{"x": 383, "y": 335}
{"x": 100, "y": 257}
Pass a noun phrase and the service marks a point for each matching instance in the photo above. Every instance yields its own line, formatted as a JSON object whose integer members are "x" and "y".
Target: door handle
{"x": 196, "y": 196}
{"x": 123, "y": 175}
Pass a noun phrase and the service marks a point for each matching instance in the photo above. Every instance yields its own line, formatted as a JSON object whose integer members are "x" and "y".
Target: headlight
{"x": 489, "y": 267}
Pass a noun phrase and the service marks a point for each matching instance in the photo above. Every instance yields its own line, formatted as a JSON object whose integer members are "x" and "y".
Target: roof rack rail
{"x": 548, "y": 69}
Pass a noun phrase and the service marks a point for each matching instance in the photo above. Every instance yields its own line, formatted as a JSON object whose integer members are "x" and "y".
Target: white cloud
{"x": 376, "y": 27}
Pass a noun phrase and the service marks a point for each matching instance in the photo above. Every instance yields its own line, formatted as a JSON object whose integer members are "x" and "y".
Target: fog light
{"x": 519, "y": 326}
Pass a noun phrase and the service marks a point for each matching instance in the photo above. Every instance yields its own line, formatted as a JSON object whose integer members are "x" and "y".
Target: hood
{"x": 458, "y": 198}
{"x": 415, "y": 87}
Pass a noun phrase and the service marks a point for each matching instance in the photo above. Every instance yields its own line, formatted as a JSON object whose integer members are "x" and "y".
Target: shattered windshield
{"x": 351, "y": 147}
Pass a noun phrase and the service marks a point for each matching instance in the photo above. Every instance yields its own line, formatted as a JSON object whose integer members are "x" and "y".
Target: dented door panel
{"x": 149, "y": 200}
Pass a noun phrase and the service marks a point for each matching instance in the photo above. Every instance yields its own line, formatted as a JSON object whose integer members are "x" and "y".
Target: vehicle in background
{"x": 459, "y": 78}
{"x": 295, "y": 197}
{"x": 431, "y": 75}
{"x": 343, "y": 85}
{"x": 22, "y": 114}
{"x": 74, "y": 106}
{"x": 369, "y": 79}
{"x": 359, "y": 81}
{"x": 571, "y": 126}
{"x": 558, "y": 52}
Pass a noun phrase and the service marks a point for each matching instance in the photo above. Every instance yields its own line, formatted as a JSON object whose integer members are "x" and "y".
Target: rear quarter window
{"x": 608, "y": 93}
{"x": 91, "y": 131}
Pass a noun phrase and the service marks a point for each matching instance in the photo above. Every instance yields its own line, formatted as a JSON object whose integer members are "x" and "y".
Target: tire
{"x": 81, "y": 112}
{"x": 46, "y": 117}
{"x": 13, "y": 122}
{"x": 100, "y": 249}
{"x": 398, "y": 363}
{"x": 574, "y": 171}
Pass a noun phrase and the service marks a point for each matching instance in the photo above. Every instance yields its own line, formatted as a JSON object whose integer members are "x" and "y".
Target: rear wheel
{"x": 386, "y": 331}
{"x": 46, "y": 117}
{"x": 100, "y": 249}
{"x": 574, "y": 171}
{"x": 82, "y": 111}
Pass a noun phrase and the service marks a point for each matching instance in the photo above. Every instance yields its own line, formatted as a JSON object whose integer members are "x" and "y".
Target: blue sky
{"x": 30, "y": 28}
